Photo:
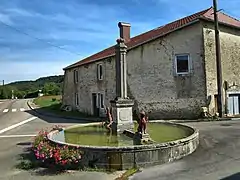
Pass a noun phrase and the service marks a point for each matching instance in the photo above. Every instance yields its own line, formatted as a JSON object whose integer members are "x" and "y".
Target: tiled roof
{"x": 160, "y": 31}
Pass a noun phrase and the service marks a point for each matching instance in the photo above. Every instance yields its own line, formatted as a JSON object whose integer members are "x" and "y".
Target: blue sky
{"x": 82, "y": 27}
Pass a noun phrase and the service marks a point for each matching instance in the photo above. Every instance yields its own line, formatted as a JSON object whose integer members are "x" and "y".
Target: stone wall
{"x": 151, "y": 79}
{"x": 230, "y": 56}
{"x": 88, "y": 84}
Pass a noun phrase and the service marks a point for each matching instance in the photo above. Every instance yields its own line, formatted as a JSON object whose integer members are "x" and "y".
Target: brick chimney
{"x": 124, "y": 31}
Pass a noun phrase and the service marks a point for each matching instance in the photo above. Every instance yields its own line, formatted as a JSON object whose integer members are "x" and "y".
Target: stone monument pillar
{"x": 121, "y": 105}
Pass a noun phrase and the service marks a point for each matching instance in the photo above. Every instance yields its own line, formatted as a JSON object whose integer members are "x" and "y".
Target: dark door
{"x": 94, "y": 103}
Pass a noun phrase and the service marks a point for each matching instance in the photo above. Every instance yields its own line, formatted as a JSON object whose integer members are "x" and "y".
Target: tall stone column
{"x": 121, "y": 69}
{"x": 121, "y": 105}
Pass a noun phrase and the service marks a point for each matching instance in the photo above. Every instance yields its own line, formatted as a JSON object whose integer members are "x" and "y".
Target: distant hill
{"x": 37, "y": 84}
{"x": 51, "y": 85}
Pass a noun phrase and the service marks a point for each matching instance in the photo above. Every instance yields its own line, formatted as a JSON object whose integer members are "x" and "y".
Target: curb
{"x": 61, "y": 117}
{"x": 203, "y": 120}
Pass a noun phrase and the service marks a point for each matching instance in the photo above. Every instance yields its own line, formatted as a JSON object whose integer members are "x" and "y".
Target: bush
{"x": 54, "y": 99}
{"x": 50, "y": 154}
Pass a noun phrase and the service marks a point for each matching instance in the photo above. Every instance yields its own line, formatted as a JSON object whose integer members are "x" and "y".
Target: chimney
{"x": 124, "y": 31}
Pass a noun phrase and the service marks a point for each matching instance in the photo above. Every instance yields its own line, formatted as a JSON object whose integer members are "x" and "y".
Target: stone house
{"x": 171, "y": 70}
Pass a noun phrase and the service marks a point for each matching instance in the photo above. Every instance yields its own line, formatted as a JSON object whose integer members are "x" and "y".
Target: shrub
{"x": 55, "y": 155}
{"x": 54, "y": 99}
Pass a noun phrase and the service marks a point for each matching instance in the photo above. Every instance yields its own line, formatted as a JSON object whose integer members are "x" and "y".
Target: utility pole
{"x": 218, "y": 61}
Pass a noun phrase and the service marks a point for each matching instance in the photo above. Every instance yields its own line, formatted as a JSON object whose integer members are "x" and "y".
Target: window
{"x": 75, "y": 76}
{"x": 76, "y": 99}
{"x": 99, "y": 72}
{"x": 182, "y": 64}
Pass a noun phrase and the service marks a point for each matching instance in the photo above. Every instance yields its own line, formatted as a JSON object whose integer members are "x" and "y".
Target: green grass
{"x": 53, "y": 105}
{"x": 48, "y": 101}
{"x": 27, "y": 161}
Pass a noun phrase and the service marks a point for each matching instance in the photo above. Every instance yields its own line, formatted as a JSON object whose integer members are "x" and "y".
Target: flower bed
{"x": 57, "y": 156}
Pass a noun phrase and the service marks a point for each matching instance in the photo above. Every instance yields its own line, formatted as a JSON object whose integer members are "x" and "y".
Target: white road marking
{"x": 5, "y": 110}
{"x": 15, "y": 136}
{"x": 14, "y": 110}
{"x": 18, "y": 124}
{"x": 22, "y": 109}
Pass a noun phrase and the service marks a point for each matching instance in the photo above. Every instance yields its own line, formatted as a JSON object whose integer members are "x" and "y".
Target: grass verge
{"x": 53, "y": 105}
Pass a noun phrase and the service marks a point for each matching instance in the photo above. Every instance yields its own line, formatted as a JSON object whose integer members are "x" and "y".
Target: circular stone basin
{"x": 96, "y": 135}
{"x": 104, "y": 150}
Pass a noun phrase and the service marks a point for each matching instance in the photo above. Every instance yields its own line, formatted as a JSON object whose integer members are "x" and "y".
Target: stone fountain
{"x": 122, "y": 105}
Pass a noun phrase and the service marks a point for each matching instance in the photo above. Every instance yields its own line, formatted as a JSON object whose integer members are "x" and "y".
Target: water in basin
{"x": 96, "y": 135}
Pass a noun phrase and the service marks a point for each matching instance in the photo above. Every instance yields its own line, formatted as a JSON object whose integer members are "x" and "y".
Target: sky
{"x": 40, "y": 37}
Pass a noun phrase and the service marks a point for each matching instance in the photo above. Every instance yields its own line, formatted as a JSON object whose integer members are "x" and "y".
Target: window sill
{"x": 183, "y": 75}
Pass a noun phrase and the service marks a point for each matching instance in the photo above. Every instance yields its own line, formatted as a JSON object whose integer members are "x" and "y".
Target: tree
{"x": 5, "y": 92}
{"x": 51, "y": 89}
{"x": 19, "y": 94}
{"x": 25, "y": 89}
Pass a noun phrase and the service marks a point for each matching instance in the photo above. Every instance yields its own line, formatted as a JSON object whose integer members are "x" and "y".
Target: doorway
{"x": 233, "y": 104}
{"x": 95, "y": 104}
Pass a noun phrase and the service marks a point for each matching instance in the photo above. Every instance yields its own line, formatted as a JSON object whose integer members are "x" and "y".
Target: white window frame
{"x": 99, "y": 76}
{"x": 76, "y": 99}
{"x": 100, "y": 100}
{"x": 189, "y": 64}
{"x": 75, "y": 76}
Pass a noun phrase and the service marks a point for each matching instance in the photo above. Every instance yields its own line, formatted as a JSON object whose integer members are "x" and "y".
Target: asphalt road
{"x": 18, "y": 125}
{"x": 218, "y": 155}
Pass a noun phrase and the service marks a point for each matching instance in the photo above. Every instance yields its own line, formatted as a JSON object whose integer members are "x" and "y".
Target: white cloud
{"x": 6, "y": 19}
{"x": 18, "y": 12}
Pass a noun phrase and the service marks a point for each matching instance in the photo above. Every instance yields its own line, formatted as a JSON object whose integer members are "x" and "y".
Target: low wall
{"x": 120, "y": 158}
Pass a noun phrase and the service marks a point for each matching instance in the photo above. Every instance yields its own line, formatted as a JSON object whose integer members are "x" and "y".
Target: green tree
{"x": 19, "y": 94}
{"x": 51, "y": 89}
{"x": 5, "y": 92}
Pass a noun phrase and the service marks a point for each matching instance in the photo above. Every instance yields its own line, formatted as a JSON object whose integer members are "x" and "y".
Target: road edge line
{"x": 18, "y": 124}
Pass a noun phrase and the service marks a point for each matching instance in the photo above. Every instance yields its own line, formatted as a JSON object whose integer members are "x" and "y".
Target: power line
{"x": 46, "y": 42}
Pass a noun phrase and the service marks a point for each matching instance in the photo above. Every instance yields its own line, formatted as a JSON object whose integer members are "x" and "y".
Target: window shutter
{"x": 97, "y": 72}
{"x": 174, "y": 67}
{"x": 74, "y": 76}
{"x": 98, "y": 100}
{"x": 190, "y": 65}
{"x": 77, "y": 76}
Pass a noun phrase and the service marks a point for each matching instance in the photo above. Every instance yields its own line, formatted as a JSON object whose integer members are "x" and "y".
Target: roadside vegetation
{"x": 46, "y": 154}
{"x": 53, "y": 105}
{"x": 50, "y": 85}
{"x": 43, "y": 155}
